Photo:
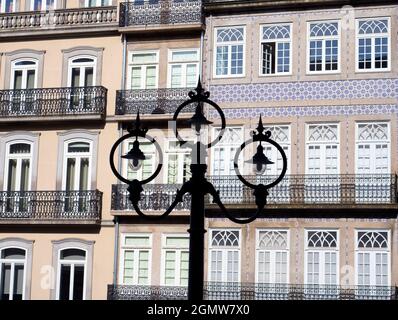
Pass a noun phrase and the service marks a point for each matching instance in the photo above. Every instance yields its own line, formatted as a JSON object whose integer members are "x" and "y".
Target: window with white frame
{"x": 77, "y": 159}
{"x": 175, "y": 254}
{"x": 97, "y": 3}
{"x": 224, "y": 255}
{"x": 39, "y": 5}
{"x": 145, "y": 167}
{"x": 143, "y": 70}
{"x": 12, "y": 273}
{"x": 372, "y": 258}
{"x": 81, "y": 71}
{"x": 183, "y": 68}
{"x": 373, "y": 44}
{"x": 135, "y": 255}
{"x": 24, "y": 74}
{"x": 275, "y": 49}
{"x": 71, "y": 282}
{"x": 272, "y": 256}
{"x": 321, "y": 257}
{"x": 8, "y": 6}
{"x": 178, "y": 161}
{"x": 322, "y": 149}
{"x": 373, "y": 153}
{"x": 229, "y": 51}
{"x": 280, "y": 134}
{"x": 224, "y": 152}
{"x": 324, "y": 47}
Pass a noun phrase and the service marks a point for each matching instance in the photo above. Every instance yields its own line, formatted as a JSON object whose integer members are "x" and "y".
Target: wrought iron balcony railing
{"x": 55, "y": 206}
{"x": 156, "y": 197}
{"x": 58, "y": 19}
{"x": 160, "y": 12}
{"x": 151, "y": 101}
{"x": 292, "y": 190}
{"x": 255, "y": 291}
{"x": 49, "y": 102}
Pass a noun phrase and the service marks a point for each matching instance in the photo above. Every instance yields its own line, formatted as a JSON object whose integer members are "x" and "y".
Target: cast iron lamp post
{"x": 198, "y": 186}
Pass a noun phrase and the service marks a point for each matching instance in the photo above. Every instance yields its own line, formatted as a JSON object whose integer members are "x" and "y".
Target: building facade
{"x": 323, "y": 76}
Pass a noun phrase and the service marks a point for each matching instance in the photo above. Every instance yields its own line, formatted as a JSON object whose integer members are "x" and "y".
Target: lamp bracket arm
{"x": 260, "y": 194}
{"x": 135, "y": 189}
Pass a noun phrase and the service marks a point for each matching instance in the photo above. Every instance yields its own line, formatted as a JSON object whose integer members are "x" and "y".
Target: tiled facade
{"x": 330, "y": 228}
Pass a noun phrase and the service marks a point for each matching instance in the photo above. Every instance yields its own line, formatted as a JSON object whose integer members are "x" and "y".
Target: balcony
{"x": 50, "y": 207}
{"x": 81, "y": 20}
{"x": 87, "y": 103}
{"x": 158, "y": 15}
{"x": 295, "y": 191}
{"x": 255, "y": 291}
{"x": 151, "y": 101}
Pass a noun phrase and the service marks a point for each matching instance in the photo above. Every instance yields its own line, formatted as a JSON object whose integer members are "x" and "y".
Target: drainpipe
{"x": 116, "y": 250}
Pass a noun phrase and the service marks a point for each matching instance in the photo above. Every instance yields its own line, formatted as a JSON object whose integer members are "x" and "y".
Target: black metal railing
{"x": 255, "y": 291}
{"x": 293, "y": 189}
{"x": 151, "y": 101}
{"x": 53, "y": 102}
{"x": 160, "y": 12}
{"x": 51, "y": 205}
{"x": 155, "y": 197}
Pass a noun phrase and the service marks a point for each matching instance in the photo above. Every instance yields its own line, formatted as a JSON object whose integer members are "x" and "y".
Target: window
{"x": 38, "y": 5}
{"x": 272, "y": 256}
{"x": 322, "y": 149}
{"x": 7, "y": 6}
{"x": 178, "y": 162}
{"x": 97, "y": 3}
{"x": 324, "y": 48}
{"x": 373, "y": 45}
{"x": 372, "y": 258}
{"x": 17, "y": 176}
{"x": 280, "y": 134}
{"x": 135, "y": 259}
{"x": 147, "y": 167}
{"x": 321, "y": 257}
{"x": 72, "y": 274}
{"x": 77, "y": 166}
{"x": 275, "y": 49}
{"x": 229, "y": 51}
{"x": 183, "y": 68}
{"x": 24, "y": 74}
{"x": 224, "y": 256}
{"x": 81, "y": 72}
{"x": 143, "y": 70}
{"x": 175, "y": 260}
{"x": 12, "y": 273}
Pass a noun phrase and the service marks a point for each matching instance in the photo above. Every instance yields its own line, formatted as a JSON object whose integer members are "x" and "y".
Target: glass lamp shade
{"x": 135, "y": 156}
{"x": 260, "y": 160}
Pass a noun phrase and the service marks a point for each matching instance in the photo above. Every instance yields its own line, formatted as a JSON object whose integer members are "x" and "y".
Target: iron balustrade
{"x": 151, "y": 101}
{"x": 51, "y": 205}
{"x": 53, "y": 101}
{"x": 255, "y": 291}
{"x": 58, "y": 19}
{"x": 160, "y": 12}
{"x": 294, "y": 189}
{"x": 156, "y": 197}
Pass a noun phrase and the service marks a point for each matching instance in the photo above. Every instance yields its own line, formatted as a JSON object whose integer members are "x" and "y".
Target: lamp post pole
{"x": 198, "y": 186}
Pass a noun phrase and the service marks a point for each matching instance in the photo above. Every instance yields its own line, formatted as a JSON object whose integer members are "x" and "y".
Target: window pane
{"x": 70, "y": 173}
{"x": 137, "y": 241}
{"x": 5, "y": 281}
{"x": 151, "y": 77}
{"x": 144, "y": 57}
{"x": 73, "y": 254}
{"x": 89, "y": 77}
{"x": 17, "y": 79}
{"x": 78, "y": 283}
{"x": 136, "y": 78}
{"x": 12, "y": 173}
{"x": 78, "y": 147}
{"x": 75, "y": 77}
{"x": 18, "y": 282}
{"x": 176, "y": 74}
{"x": 24, "y": 183}
{"x": 30, "y": 79}
{"x": 13, "y": 253}
{"x": 181, "y": 56}
{"x": 180, "y": 242}
{"x": 19, "y": 148}
{"x": 64, "y": 282}
{"x": 84, "y": 170}
{"x": 191, "y": 75}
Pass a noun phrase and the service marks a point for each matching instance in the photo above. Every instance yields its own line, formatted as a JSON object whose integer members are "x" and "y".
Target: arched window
{"x": 72, "y": 265}
{"x": 12, "y": 273}
{"x": 82, "y": 71}
{"x": 373, "y": 44}
{"x": 24, "y": 74}
{"x": 229, "y": 51}
{"x": 8, "y": 6}
{"x": 18, "y": 166}
{"x": 323, "y": 48}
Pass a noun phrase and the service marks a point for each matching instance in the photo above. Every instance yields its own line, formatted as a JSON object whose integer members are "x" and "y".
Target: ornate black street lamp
{"x": 198, "y": 186}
